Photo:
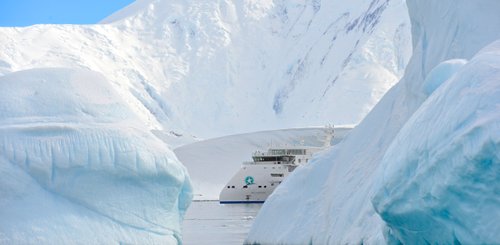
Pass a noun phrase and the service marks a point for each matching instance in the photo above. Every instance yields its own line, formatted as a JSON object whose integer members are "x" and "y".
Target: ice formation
{"x": 441, "y": 73}
{"x": 330, "y": 200}
{"x": 441, "y": 174}
{"x": 78, "y": 166}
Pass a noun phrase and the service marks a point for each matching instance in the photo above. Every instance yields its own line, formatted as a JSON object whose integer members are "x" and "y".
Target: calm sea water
{"x": 214, "y": 223}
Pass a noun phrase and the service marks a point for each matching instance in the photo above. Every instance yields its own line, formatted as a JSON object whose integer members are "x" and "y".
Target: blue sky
{"x": 30, "y": 12}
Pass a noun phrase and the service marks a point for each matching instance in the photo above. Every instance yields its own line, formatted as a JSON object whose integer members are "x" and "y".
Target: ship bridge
{"x": 274, "y": 159}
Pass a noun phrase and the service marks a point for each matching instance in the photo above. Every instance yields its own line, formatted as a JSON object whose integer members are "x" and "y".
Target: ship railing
{"x": 269, "y": 162}
{"x": 260, "y": 153}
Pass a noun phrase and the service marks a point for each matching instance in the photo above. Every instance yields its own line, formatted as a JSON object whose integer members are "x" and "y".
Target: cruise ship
{"x": 256, "y": 180}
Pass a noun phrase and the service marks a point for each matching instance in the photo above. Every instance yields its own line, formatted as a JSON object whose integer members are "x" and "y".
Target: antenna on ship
{"x": 329, "y": 131}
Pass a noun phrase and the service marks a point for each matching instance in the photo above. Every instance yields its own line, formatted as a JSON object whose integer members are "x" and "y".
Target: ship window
{"x": 276, "y": 175}
{"x": 296, "y": 152}
{"x": 277, "y": 151}
{"x": 232, "y": 186}
{"x": 270, "y": 159}
{"x": 228, "y": 186}
{"x": 272, "y": 184}
{"x": 245, "y": 186}
{"x": 299, "y": 160}
{"x": 260, "y": 186}
{"x": 265, "y": 186}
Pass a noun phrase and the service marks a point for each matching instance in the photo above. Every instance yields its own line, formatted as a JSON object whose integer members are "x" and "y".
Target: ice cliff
{"x": 423, "y": 166}
{"x": 78, "y": 166}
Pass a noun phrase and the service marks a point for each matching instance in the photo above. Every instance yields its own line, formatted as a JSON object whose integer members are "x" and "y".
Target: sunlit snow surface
{"x": 75, "y": 160}
{"x": 214, "y": 68}
{"x": 443, "y": 185}
{"x": 441, "y": 170}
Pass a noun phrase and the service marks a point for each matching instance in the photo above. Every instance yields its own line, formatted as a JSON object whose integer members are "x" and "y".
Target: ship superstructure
{"x": 256, "y": 180}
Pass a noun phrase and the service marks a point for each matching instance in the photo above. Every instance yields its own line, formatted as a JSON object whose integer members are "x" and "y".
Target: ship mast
{"x": 329, "y": 135}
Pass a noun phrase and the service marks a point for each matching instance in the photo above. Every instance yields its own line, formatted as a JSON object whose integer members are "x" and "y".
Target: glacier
{"x": 422, "y": 166}
{"x": 78, "y": 166}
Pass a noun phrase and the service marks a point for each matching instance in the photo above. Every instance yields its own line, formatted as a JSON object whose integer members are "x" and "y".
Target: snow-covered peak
{"x": 217, "y": 67}
{"x": 133, "y": 9}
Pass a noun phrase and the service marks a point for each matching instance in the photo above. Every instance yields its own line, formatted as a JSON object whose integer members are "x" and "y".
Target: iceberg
{"x": 78, "y": 166}
{"x": 441, "y": 73}
{"x": 443, "y": 185}
{"x": 339, "y": 198}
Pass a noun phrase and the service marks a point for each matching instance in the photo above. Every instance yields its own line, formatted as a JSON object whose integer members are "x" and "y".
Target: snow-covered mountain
{"x": 210, "y": 68}
{"x": 423, "y": 166}
{"x": 83, "y": 106}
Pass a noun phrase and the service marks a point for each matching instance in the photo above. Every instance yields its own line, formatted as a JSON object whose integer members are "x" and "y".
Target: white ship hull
{"x": 254, "y": 183}
{"x": 256, "y": 180}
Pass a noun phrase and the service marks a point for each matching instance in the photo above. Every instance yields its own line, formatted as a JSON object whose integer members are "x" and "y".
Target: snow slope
{"x": 213, "y": 68}
{"x": 332, "y": 203}
{"x": 211, "y": 163}
{"x": 78, "y": 166}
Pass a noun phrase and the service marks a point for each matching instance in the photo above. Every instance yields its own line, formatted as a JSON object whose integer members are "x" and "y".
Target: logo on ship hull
{"x": 249, "y": 180}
